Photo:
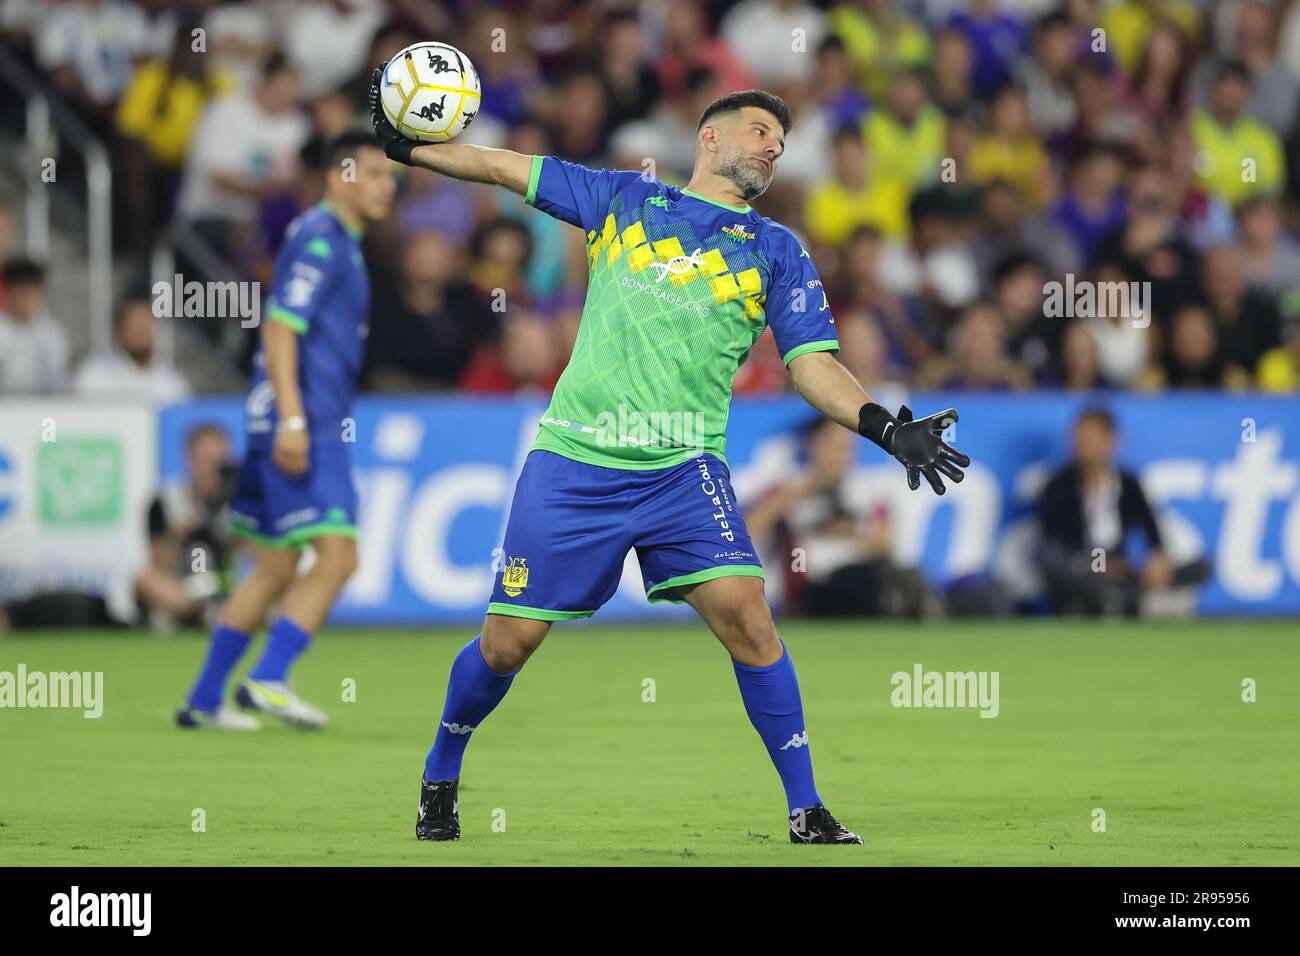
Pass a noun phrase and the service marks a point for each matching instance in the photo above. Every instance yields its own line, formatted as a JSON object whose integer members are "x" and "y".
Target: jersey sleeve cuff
{"x": 285, "y": 317}
{"x": 534, "y": 174}
{"x": 825, "y": 345}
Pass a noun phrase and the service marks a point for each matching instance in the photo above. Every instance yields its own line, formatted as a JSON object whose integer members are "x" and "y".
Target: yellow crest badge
{"x": 515, "y": 576}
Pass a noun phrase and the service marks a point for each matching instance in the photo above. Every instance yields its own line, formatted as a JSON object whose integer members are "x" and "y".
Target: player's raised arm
{"x": 830, "y": 388}
{"x": 476, "y": 164}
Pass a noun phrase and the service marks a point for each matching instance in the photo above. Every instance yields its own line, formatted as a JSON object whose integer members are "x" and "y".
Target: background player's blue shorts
{"x": 572, "y": 524}
{"x": 273, "y": 508}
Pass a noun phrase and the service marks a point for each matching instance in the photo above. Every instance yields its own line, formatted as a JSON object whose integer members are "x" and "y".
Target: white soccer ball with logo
{"x": 430, "y": 92}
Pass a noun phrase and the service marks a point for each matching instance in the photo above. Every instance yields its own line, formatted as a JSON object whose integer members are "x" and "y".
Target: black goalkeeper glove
{"x": 395, "y": 145}
{"x": 917, "y": 444}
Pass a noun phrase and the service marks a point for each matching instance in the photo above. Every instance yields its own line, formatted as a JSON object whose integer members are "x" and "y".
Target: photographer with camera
{"x": 189, "y": 546}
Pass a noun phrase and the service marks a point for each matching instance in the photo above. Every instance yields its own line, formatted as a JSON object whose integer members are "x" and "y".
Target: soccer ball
{"x": 430, "y": 92}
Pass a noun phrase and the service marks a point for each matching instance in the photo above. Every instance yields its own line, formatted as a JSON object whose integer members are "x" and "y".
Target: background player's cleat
{"x": 439, "y": 817}
{"x": 816, "y": 825}
{"x": 223, "y": 718}
{"x": 278, "y": 699}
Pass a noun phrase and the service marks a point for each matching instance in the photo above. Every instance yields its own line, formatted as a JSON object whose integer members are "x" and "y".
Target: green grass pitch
{"x": 1144, "y": 721}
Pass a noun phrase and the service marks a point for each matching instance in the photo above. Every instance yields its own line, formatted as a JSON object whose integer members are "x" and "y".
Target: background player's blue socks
{"x": 286, "y": 641}
{"x": 226, "y": 647}
{"x": 473, "y": 692}
{"x": 771, "y": 696}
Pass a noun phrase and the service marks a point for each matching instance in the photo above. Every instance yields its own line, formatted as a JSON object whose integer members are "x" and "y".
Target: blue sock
{"x": 771, "y": 696}
{"x": 473, "y": 692}
{"x": 285, "y": 642}
{"x": 226, "y": 647}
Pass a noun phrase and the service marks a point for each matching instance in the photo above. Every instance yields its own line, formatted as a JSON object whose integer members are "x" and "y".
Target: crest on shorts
{"x": 515, "y": 577}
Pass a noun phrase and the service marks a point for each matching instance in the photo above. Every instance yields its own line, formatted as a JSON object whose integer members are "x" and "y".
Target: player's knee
{"x": 278, "y": 566}
{"x": 337, "y": 556}
{"x": 508, "y": 642}
{"x": 749, "y": 629}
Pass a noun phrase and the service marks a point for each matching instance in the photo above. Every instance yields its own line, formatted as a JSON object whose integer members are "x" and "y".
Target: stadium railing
{"x": 47, "y": 119}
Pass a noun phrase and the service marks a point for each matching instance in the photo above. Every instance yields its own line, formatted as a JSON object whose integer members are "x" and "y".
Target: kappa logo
{"x": 797, "y": 741}
{"x": 678, "y": 265}
{"x": 515, "y": 576}
{"x": 660, "y": 201}
{"x": 456, "y": 728}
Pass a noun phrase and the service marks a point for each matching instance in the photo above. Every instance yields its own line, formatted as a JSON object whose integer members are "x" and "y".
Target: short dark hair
{"x": 1232, "y": 70}
{"x": 23, "y": 272}
{"x": 478, "y": 242}
{"x": 203, "y": 430}
{"x": 277, "y": 62}
{"x": 348, "y": 144}
{"x": 699, "y": 78}
{"x": 124, "y": 306}
{"x": 1055, "y": 20}
{"x": 742, "y": 98}
{"x": 832, "y": 44}
{"x": 1102, "y": 416}
{"x": 847, "y": 131}
{"x": 1013, "y": 263}
{"x": 617, "y": 16}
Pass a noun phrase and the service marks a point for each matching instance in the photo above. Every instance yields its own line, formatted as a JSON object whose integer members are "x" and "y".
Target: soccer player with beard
{"x": 630, "y": 453}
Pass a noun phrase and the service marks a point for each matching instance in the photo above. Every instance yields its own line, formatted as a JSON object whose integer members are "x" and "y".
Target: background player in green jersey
{"x": 631, "y": 452}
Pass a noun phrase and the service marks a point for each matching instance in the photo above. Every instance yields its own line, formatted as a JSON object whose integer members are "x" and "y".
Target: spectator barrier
{"x": 436, "y": 475}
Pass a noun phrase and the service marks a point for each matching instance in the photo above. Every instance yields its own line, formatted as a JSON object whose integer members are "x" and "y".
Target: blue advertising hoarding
{"x": 436, "y": 475}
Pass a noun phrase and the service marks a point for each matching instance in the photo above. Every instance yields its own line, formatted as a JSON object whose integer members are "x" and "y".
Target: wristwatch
{"x": 293, "y": 423}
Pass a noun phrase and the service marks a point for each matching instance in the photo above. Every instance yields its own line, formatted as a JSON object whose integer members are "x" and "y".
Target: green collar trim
{"x": 330, "y": 208}
{"x": 723, "y": 205}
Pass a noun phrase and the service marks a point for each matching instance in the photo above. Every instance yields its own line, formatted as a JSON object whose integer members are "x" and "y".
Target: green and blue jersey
{"x": 679, "y": 289}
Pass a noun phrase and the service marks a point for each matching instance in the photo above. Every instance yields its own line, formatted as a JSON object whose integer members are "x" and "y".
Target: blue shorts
{"x": 572, "y": 524}
{"x": 274, "y": 509}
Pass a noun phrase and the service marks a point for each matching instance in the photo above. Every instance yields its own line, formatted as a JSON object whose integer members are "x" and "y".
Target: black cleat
{"x": 439, "y": 818}
{"x": 816, "y": 825}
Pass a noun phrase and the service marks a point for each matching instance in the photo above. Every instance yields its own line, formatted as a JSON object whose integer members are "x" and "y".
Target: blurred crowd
{"x": 949, "y": 160}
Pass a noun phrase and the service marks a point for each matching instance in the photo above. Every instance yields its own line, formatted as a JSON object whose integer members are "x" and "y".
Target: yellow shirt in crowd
{"x": 1024, "y": 164}
{"x": 161, "y": 109}
{"x": 834, "y": 211}
{"x": 909, "y": 155}
{"x": 1222, "y": 152}
{"x": 1279, "y": 371}
{"x": 877, "y": 50}
{"x": 1127, "y": 25}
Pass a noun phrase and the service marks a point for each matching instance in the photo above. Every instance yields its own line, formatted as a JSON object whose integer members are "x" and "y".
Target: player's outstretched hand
{"x": 919, "y": 445}
{"x": 396, "y": 146}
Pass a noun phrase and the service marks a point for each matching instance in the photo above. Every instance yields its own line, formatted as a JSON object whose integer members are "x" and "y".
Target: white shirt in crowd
{"x": 98, "y": 43}
{"x": 1103, "y": 527}
{"x": 763, "y": 34}
{"x": 1122, "y": 346}
{"x": 236, "y": 137}
{"x": 114, "y": 375}
{"x": 33, "y": 356}
{"x": 235, "y": 32}
{"x": 327, "y": 45}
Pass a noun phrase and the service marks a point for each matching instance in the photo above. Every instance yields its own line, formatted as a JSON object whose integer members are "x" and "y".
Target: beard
{"x": 735, "y": 165}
